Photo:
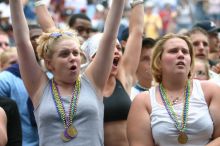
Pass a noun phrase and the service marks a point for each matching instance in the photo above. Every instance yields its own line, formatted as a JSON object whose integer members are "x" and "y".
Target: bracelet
{"x": 133, "y": 3}
{"x": 39, "y": 3}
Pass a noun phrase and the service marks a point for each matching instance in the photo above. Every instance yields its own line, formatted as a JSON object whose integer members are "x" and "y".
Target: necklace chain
{"x": 168, "y": 105}
{"x": 67, "y": 119}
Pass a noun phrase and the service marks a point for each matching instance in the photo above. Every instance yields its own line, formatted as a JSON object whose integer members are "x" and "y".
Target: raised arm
{"x": 138, "y": 126}
{"x": 100, "y": 67}
{"x": 3, "y": 128}
{"x": 31, "y": 72}
{"x": 133, "y": 47}
{"x": 43, "y": 16}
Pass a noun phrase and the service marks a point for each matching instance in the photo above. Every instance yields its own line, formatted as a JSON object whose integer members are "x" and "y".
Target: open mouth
{"x": 73, "y": 68}
{"x": 180, "y": 63}
{"x": 116, "y": 61}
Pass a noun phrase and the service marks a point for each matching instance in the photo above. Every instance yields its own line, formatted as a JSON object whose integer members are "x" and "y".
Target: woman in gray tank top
{"x": 68, "y": 107}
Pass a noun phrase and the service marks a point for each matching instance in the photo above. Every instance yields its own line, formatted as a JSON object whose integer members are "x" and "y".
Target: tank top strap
{"x": 152, "y": 93}
{"x": 197, "y": 92}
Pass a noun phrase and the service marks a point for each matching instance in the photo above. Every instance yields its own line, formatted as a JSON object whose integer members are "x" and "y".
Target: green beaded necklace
{"x": 181, "y": 127}
{"x": 70, "y": 131}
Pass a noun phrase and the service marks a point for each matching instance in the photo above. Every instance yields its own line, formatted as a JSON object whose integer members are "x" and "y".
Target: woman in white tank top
{"x": 177, "y": 111}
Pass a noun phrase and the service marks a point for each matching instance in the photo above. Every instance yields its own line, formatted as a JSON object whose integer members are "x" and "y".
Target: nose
{"x": 85, "y": 35}
{"x": 116, "y": 51}
{"x": 201, "y": 46}
{"x": 72, "y": 57}
{"x": 180, "y": 54}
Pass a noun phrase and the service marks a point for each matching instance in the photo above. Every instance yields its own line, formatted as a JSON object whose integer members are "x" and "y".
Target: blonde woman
{"x": 69, "y": 107}
{"x": 178, "y": 111}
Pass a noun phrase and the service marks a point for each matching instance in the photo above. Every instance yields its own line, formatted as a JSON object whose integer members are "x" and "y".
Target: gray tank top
{"x": 88, "y": 120}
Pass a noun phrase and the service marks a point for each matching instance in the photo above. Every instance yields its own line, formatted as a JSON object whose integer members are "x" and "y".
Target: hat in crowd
{"x": 90, "y": 46}
{"x": 125, "y": 34}
{"x": 209, "y": 26}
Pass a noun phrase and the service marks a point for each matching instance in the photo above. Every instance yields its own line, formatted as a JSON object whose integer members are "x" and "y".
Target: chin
{"x": 113, "y": 72}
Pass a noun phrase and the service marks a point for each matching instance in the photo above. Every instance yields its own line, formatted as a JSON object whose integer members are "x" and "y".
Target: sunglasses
{"x": 4, "y": 43}
{"x": 59, "y": 34}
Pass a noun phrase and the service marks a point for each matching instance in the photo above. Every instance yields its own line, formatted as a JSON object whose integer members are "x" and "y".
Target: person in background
{"x": 14, "y": 133}
{"x": 201, "y": 70}
{"x": 82, "y": 24}
{"x": 178, "y": 110}
{"x": 212, "y": 30}
{"x": 200, "y": 41}
{"x": 81, "y": 95}
{"x": 12, "y": 86}
{"x": 4, "y": 41}
{"x": 143, "y": 74}
{"x": 79, "y": 22}
{"x": 3, "y": 128}
{"x": 8, "y": 57}
{"x": 152, "y": 21}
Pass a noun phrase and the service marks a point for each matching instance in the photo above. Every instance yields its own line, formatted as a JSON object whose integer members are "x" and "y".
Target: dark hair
{"x": 73, "y": 18}
{"x": 125, "y": 34}
{"x": 148, "y": 42}
{"x": 34, "y": 26}
{"x": 197, "y": 30}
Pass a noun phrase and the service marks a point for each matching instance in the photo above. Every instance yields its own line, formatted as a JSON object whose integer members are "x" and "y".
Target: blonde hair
{"x": 47, "y": 41}
{"x": 6, "y": 55}
{"x": 206, "y": 65}
{"x": 158, "y": 51}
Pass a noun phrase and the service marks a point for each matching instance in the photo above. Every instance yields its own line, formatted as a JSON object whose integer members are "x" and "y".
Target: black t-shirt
{"x": 13, "y": 121}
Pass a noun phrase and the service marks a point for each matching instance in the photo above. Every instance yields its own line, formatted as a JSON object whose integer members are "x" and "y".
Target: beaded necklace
{"x": 181, "y": 127}
{"x": 70, "y": 131}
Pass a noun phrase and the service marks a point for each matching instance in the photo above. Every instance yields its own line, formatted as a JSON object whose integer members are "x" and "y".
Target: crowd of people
{"x": 134, "y": 78}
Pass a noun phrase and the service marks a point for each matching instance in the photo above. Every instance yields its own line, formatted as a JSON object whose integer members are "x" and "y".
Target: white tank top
{"x": 199, "y": 124}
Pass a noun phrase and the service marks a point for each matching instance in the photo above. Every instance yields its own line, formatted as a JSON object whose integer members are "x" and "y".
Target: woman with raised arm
{"x": 69, "y": 107}
{"x": 118, "y": 87}
{"x": 178, "y": 111}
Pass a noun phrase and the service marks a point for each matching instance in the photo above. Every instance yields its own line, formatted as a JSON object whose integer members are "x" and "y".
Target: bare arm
{"x": 100, "y": 67}
{"x": 138, "y": 126}
{"x": 31, "y": 72}
{"x": 212, "y": 90}
{"x": 3, "y": 128}
{"x": 44, "y": 18}
{"x": 133, "y": 47}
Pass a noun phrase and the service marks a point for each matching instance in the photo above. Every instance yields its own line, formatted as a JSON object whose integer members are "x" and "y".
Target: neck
{"x": 174, "y": 85}
{"x": 144, "y": 84}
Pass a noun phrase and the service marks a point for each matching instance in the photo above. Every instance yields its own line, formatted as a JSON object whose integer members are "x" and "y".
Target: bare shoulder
{"x": 210, "y": 87}
{"x": 2, "y": 113}
{"x": 143, "y": 100}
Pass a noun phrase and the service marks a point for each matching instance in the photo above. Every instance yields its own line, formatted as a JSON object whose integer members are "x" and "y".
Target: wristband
{"x": 133, "y": 3}
{"x": 39, "y": 3}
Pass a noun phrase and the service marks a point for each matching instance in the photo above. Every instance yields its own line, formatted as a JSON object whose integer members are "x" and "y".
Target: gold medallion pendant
{"x": 64, "y": 138}
{"x": 68, "y": 134}
{"x": 71, "y": 131}
{"x": 182, "y": 138}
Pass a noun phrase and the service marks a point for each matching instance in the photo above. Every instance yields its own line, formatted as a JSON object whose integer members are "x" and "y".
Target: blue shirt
{"x": 13, "y": 87}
